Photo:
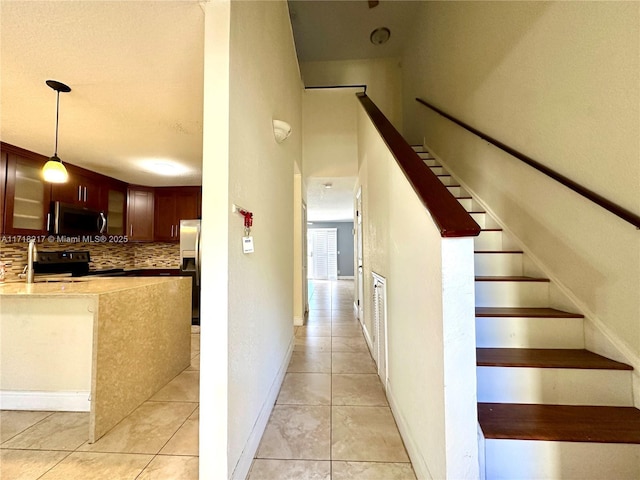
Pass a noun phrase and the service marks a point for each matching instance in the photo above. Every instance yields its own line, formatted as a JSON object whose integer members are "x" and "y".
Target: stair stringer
{"x": 599, "y": 338}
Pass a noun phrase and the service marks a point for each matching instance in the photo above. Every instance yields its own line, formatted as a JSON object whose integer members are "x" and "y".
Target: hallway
{"x": 331, "y": 420}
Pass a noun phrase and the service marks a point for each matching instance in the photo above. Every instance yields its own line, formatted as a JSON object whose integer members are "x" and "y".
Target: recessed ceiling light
{"x": 380, "y": 35}
{"x": 327, "y": 185}
{"x": 164, "y": 167}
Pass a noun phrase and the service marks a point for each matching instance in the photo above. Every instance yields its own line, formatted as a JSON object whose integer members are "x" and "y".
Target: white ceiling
{"x": 330, "y": 204}
{"x": 340, "y": 30}
{"x": 136, "y": 73}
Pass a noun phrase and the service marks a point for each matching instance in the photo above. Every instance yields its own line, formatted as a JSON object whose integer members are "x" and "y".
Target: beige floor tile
{"x": 318, "y": 322}
{"x": 297, "y": 432}
{"x": 358, "y": 389}
{"x": 195, "y": 343}
{"x": 195, "y": 363}
{"x": 310, "y": 362}
{"x": 371, "y": 471}
{"x": 185, "y": 441}
{"x": 98, "y": 466}
{"x": 59, "y": 431}
{"x": 345, "y": 362}
{"x": 146, "y": 430}
{"x": 27, "y": 464}
{"x": 171, "y": 468}
{"x": 13, "y": 422}
{"x": 184, "y": 388}
{"x": 312, "y": 344}
{"x": 263, "y": 469}
{"x": 365, "y": 434}
{"x": 345, "y": 320}
{"x": 314, "y": 331}
{"x": 305, "y": 389}
{"x": 342, "y": 330}
{"x": 349, "y": 344}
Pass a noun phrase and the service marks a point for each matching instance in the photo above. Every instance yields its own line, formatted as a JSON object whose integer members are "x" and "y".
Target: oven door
{"x": 73, "y": 220}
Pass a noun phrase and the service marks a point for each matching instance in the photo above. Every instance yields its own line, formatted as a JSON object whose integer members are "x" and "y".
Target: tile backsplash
{"x": 103, "y": 255}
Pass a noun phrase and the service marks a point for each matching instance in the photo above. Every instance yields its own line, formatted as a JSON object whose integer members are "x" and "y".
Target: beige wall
{"x": 383, "y": 77}
{"x": 560, "y": 82}
{"x": 265, "y": 84}
{"x": 430, "y": 313}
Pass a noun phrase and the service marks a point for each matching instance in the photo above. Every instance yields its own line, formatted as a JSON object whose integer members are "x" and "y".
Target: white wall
{"x": 559, "y": 81}
{"x": 383, "y": 77}
{"x": 330, "y": 133}
{"x": 265, "y": 84}
{"x": 430, "y": 308}
{"x": 247, "y": 300}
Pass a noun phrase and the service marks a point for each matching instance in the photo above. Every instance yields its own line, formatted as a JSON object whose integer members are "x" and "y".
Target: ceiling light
{"x": 164, "y": 167}
{"x": 327, "y": 185}
{"x": 54, "y": 171}
{"x": 380, "y": 35}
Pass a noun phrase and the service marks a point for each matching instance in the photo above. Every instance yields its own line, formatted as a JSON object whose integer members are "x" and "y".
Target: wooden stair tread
{"x": 475, "y": 211}
{"x": 500, "y": 251}
{"x": 527, "y": 312}
{"x": 568, "y": 423}
{"x": 513, "y": 278}
{"x": 490, "y": 229}
{"x": 545, "y": 358}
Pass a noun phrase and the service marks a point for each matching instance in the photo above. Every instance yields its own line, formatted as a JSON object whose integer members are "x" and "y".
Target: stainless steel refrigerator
{"x": 190, "y": 261}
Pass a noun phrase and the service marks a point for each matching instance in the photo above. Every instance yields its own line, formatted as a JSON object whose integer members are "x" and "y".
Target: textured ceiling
{"x": 136, "y": 73}
{"x": 340, "y": 30}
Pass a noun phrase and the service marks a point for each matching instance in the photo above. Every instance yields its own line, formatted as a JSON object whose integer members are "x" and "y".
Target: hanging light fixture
{"x": 54, "y": 171}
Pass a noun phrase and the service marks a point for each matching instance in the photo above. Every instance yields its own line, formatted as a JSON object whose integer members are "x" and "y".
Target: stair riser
{"x": 489, "y": 240}
{"x": 498, "y": 264}
{"x": 417, "y": 148}
{"x": 512, "y": 294}
{"x": 457, "y": 191}
{"x": 438, "y": 170}
{"x": 467, "y": 204}
{"x": 555, "y": 386}
{"x": 431, "y": 162}
{"x": 447, "y": 180}
{"x": 522, "y": 332}
{"x": 529, "y": 459}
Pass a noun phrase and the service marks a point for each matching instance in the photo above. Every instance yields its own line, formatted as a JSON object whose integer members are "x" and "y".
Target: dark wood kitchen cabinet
{"x": 26, "y": 194}
{"x": 82, "y": 189}
{"x": 173, "y": 204}
{"x": 140, "y": 202}
{"x": 114, "y": 196}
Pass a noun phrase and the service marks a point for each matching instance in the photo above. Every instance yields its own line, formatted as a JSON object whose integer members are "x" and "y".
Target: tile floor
{"x": 331, "y": 420}
{"x": 158, "y": 441}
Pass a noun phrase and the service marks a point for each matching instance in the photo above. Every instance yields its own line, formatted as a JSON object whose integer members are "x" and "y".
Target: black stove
{"x": 76, "y": 263}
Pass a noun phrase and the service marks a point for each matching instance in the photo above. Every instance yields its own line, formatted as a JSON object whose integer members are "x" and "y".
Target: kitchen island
{"x": 102, "y": 345}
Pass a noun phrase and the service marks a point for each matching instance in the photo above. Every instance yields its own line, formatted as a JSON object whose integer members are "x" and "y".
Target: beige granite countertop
{"x": 80, "y": 286}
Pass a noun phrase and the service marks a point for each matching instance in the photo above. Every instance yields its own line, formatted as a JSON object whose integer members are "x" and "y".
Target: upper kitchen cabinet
{"x": 26, "y": 194}
{"x": 140, "y": 214}
{"x": 82, "y": 189}
{"x": 173, "y": 204}
{"x": 114, "y": 195}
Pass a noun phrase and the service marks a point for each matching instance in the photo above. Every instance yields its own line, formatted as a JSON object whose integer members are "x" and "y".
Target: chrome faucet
{"x": 32, "y": 253}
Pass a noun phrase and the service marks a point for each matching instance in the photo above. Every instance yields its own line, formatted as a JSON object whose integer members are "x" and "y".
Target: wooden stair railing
{"x": 596, "y": 198}
{"x": 449, "y": 216}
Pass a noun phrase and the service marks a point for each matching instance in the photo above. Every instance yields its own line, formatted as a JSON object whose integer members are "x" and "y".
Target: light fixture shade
{"x": 54, "y": 171}
{"x": 281, "y": 130}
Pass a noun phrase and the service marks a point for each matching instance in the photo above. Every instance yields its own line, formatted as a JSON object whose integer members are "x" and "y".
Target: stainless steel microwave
{"x": 67, "y": 219}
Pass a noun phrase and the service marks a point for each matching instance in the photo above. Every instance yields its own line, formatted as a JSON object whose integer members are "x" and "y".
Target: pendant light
{"x": 54, "y": 171}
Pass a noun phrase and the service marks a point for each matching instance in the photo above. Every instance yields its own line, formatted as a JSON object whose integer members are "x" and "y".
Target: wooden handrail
{"x": 450, "y": 217}
{"x": 617, "y": 210}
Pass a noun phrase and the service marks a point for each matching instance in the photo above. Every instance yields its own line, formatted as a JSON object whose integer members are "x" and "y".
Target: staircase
{"x": 548, "y": 408}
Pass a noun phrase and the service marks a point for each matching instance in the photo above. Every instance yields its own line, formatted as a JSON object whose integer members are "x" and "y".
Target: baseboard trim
{"x": 298, "y": 321}
{"x": 241, "y": 470}
{"x": 49, "y": 401}
{"x": 417, "y": 460}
